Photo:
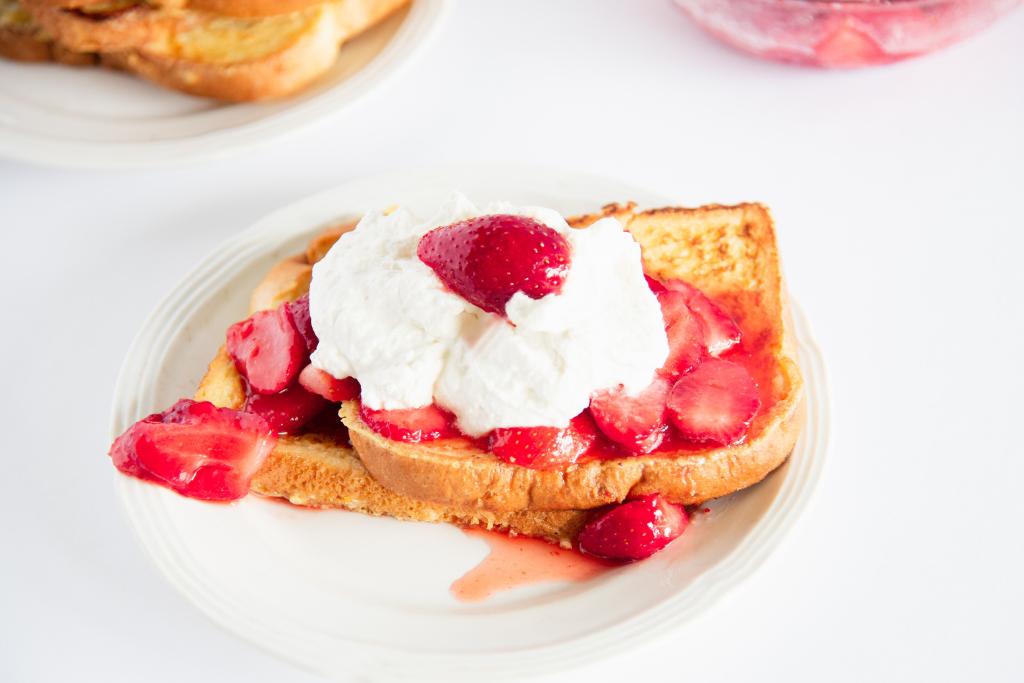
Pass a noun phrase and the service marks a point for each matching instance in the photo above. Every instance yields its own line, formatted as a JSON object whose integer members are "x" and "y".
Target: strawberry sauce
{"x": 520, "y": 561}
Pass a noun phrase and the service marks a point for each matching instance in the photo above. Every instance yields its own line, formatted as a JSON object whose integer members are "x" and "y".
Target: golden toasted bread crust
{"x": 730, "y": 254}
{"x": 286, "y": 281}
{"x": 322, "y": 243}
{"x": 230, "y": 8}
{"x": 249, "y": 8}
{"x": 316, "y": 471}
{"x": 211, "y": 55}
{"x": 279, "y": 76}
{"x": 24, "y": 41}
{"x": 171, "y": 32}
{"x": 127, "y": 29}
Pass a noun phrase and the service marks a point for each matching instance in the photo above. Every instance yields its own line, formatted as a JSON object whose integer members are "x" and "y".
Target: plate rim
{"x": 417, "y": 32}
{"x": 738, "y": 565}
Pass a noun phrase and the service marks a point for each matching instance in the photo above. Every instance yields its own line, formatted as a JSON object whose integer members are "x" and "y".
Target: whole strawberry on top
{"x": 487, "y": 259}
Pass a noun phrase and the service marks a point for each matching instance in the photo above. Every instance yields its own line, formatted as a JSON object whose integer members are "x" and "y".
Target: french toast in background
{"x": 232, "y": 8}
{"x": 728, "y": 251}
{"x": 241, "y": 53}
{"x": 22, "y": 39}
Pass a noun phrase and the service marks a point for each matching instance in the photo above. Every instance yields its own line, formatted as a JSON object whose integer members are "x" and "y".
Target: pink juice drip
{"x": 520, "y": 561}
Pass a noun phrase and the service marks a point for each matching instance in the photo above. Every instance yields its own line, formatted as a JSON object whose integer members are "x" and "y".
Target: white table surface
{"x": 896, "y": 192}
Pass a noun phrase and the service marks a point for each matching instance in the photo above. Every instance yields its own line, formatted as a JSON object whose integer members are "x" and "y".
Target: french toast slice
{"x": 231, "y": 8}
{"x": 320, "y": 469}
{"x": 23, "y": 40}
{"x": 207, "y": 54}
{"x": 729, "y": 253}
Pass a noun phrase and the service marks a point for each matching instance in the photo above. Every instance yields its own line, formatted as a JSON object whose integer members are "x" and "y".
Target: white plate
{"x": 343, "y": 593}
{"x": 92, "y": 117}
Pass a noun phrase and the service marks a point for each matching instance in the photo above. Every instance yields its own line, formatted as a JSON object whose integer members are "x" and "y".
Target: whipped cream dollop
{"x": 385, "y": 318}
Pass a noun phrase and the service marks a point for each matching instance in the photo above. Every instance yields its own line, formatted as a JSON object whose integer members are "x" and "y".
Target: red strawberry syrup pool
{"x": 521, "y": 561}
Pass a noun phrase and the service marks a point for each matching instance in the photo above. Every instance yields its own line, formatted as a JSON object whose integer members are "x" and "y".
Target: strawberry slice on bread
{"x": 638, "y": 422}
{"x": 268, "y": 349}
{"x": 720, "y": 331}
{"x": 324, "y": 384}
{"x": 544, "y": 447}
{"x": 685, "y": 333}
{"x": 410, "y": 425}
{"x": 715, "y": 403}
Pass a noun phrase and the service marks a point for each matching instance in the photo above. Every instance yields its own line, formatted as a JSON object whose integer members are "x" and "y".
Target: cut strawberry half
{"x": 324, "y": 384}
{"x": 298, "y": 310}
{"x": 197, "y": 449}
{"x": 288, "y": 411}
{"x": 267, "y": 349}
{"x": 721, "y": 332}
{"x": 715, "y": 403}
{"x": 544, "y": 447}
{"x": 411, "y": 425}
{"x": 637, "y": 423}
{"x": 487, "y": 259}
{"x": 633, "y": 530}
{"x": 685, "y": 334}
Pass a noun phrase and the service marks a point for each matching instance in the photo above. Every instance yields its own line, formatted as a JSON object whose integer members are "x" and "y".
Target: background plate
{"x": 343, "y": 593}
{"x": 92, "y": 117}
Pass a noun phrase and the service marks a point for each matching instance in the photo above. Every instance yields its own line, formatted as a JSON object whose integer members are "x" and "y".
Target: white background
{"x": 897, "y": 195}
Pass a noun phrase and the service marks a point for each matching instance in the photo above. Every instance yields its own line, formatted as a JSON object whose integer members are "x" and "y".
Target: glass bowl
{"x": 847, "y": 33}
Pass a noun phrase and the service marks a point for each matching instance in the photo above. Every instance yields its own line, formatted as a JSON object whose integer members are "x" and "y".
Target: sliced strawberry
{"x": 267, "y": 349}
{"x": 636, "y": 423}
{"x": 715, "y": 403}
{"x": 673, "y": 306}
{"x": 721, "y": 332}
{"x": 633, "y": 530}
{"x": 685, "y": 335}
{"x": 288, "y": 411}
{"x": 326, "y": 385}
{"x": 411, "y": 425}
{"x": 299, "y": 312}
{"x": 197, "y": 449}
{"x": 487, "y": 259}
{"x": 686, "y": 348}
{"x": 544, "y": 447}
